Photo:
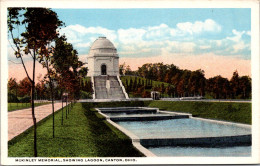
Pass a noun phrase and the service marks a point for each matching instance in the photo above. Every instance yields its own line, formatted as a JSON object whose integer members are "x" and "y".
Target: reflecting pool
{"x": 181, "y": 128}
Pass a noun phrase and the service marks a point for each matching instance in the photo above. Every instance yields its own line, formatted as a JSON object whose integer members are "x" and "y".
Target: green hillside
{"x": 141, "y": 87}
{"x": 155, "y": 83}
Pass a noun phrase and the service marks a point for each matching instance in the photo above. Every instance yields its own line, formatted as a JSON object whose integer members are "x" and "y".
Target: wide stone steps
{"x": 101, "y": 92}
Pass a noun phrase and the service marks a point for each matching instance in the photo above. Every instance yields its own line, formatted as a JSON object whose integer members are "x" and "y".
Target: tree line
{"x": 186, "y": 83}
{"x": 34, "y": 33}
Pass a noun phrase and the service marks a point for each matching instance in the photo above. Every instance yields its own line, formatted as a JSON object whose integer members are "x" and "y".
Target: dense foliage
{"x": 185, "y": 83}
{"x": 32, "y": 31}
{"x": 69, "y": 70}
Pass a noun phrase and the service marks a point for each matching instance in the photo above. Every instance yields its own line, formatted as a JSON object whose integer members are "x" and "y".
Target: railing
{"x": 123, "y": 88}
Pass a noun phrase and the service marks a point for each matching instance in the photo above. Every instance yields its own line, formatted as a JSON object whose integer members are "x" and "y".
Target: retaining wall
{"x": 148, "y": 118}
{"x": 224, "y": 141}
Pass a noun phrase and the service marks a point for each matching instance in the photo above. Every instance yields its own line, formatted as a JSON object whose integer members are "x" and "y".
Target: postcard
{"x": 129, "y": 82}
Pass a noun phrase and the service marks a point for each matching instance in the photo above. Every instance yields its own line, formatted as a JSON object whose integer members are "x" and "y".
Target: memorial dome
{"x": 102, "y": 47}
{"x": 102, "y": 43}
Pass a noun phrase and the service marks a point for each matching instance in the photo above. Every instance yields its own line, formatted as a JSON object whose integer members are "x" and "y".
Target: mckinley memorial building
{"x": 103, "y": 68}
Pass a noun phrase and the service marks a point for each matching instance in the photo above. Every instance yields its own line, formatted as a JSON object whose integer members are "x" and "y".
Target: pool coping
{"x": 165, "y": 115}
{"x": 118, "y": 108}
{"x": 175, "y": 113}
{"x": 224, "y": 122}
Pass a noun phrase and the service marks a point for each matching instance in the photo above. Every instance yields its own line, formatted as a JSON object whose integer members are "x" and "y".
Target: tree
{"x": 197, "y": 82}
{"x": 40, "y": 28}
{"x": 218, "y": 86}
{"x": 25, "y": 87}
{"x": 12, "y": 90}
{"x": 167, "y": 78}
{"x": 138, "y": 82}
{"x": 128, "y": 70}
{"x": 202, "y": 84}
{"x": 162, "y": 71}
{"x": 234, "y": 84}
{"x": 143, "y": 71}
{"x": 131, "y": 85}
{"x": 126, "y": 85}
{"x": 180, "y": 88}
{"x": 122, "y": 69}
{"x": 135, "y": 84}
{"x": 245, "y": 86}
{"x": 40, "y": 89}
{"x": 225, "y": 88}
{"x": 51, "y": 78}
{"x": 162, "y": 88}
{"x": 185, "y": 82}
{"x": 169, "y": 90}
{"x": 68, "y": 67}
{"x": 83, "y": 72}
{"x": 12, "y": 86}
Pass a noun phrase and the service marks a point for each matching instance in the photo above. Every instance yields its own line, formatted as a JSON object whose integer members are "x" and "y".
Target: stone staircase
{"x": 102, "y": 92}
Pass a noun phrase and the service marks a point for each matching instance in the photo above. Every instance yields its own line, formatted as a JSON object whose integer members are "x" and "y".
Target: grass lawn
{"x": 18, "y": 106}
{"x": 84, "y": 134}
{"x": 227, "y": 111}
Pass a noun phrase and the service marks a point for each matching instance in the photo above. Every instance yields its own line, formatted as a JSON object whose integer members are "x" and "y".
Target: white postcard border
{"x": 253, "y": 4}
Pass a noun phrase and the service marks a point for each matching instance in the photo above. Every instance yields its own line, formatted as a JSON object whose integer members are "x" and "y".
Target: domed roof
{"x": 102, "y": 42}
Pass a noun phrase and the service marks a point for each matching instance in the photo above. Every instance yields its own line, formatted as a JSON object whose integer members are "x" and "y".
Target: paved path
{"x": 20, "y": 120}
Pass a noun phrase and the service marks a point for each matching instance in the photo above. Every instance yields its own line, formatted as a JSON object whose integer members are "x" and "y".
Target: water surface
{"x": 181, "y": 128}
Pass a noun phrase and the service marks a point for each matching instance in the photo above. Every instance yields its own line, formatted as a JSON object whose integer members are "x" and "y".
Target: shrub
{"x": 85, "y": 95}
{"x": 12, "y": 98}
{"x": 25, "y": 99}
{"x": 146, "y": 94}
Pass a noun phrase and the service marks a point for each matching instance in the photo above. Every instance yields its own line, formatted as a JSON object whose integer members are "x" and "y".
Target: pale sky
{"x": 217, "y": 41}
